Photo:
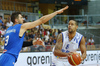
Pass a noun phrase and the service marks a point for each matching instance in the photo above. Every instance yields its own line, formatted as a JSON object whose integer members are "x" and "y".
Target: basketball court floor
{"x": 90, "y": 65}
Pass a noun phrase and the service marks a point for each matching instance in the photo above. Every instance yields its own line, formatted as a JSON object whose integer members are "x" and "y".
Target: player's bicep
{"x": 82, "y": 45}
{"x": 22, "y": 31}
{"x": 59, "y": 43}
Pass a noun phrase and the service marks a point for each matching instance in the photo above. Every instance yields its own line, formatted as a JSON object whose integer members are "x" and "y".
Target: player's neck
{"x": 15, "y": 24}
{"x": 71, "y": 35}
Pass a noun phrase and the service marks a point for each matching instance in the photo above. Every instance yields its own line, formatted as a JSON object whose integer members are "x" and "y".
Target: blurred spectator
{"x": 9, "y": 23}
{"x": 39, "y": 36}
{"x": 27, "y": 37}
{"x": 46, "y": 42}
{"x": 45, "y": 30}
{"x": 31, "y": 36}
{"x": 50, "y": 41}
{"x": 46, "y": 37}
{"x": 26, "y": 19}
{"x": 1, "y": 21}
{"x": 55, "y": 32}
{"x": 48, "y": 32}
{"x": 35, "y": 37}
{"x": 37, "y": 27}
{"x": 2, "y": 32}
{"x": 4, "y": 26}
{"x": 54, "y": 40}
{"x": 23, "y": 17}
{"x": 40, "y": 33}
{"x": 91, "y": 41}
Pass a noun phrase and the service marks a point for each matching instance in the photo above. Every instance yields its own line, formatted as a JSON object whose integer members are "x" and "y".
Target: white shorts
{"x": 57, "y": 62}
{"x": 60, "y": 63}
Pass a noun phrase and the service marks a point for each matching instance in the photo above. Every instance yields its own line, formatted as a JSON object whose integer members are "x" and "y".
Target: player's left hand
{"x": 38, "y": 42}
{"x": 81, "y": 57}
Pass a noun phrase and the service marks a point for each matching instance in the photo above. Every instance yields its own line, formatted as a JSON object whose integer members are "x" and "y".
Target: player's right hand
{"x": 38, "y": 42}
{"x": 69, "y": 54}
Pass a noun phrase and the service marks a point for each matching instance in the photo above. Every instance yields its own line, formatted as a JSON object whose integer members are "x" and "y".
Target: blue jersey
{"x": 13, "y": 43}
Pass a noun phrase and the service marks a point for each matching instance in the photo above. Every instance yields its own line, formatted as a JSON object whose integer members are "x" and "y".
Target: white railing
{"x": 48, "y": 48}
{"x": 83, "y": 20}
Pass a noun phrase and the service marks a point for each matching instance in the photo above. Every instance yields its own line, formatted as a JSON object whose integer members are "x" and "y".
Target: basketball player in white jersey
{"x": 67, "y": 43}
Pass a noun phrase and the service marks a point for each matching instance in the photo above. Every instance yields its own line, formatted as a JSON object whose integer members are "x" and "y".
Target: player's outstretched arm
{"x": 83, "y": 48}
{"x": 43, "y": 19}
{"x": 58, "y": 48}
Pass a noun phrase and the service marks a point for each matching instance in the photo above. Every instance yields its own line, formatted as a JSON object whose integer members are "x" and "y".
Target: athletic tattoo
{"x": 59, "y": 43}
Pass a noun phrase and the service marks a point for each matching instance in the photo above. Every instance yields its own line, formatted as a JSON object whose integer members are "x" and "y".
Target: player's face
{"x": 72, "y": 27}
{"x": 20, "y": 19}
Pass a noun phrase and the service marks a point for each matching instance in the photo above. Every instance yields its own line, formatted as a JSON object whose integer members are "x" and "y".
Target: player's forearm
{"x": 48, "y": 17}
{"x": 59, "y": 53}
{"x": 43, "y": 19}
{"x": 83, "y": 55}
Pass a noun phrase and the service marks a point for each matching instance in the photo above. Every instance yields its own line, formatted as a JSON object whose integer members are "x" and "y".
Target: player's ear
{"x": 76, "y": 26}
{"x": 16, "y": 20}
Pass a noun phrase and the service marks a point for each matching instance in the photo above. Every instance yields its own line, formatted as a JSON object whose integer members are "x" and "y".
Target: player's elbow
{"x": 43, "y": 19}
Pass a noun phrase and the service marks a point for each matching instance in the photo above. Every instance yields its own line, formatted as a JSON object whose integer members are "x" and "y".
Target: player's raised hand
{"x": 61, "y": 10}
{"x": 38, "y": 42}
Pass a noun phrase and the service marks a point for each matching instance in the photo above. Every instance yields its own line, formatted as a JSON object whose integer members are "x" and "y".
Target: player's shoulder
{"x": 78, "y": 34}
{"x": 17, "y": 25}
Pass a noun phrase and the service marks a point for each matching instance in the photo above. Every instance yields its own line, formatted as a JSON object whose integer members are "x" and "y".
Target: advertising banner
{"x": 44, "y": 58}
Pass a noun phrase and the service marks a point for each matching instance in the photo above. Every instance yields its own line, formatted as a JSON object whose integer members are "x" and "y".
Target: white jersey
{"x": 69, "y": 46}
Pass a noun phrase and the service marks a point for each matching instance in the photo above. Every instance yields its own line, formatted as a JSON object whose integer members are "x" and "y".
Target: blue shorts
{"x": 7, "y": 60}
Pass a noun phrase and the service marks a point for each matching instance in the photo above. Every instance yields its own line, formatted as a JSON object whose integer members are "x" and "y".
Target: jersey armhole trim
{"x": 19, "y": 32}
{"x": 80, "y": 41}
{"x": 20, "y": 36}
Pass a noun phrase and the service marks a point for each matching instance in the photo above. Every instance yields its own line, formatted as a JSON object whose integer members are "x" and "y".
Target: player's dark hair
{"x": 76, "y": 22}
{"x": 14, "y": 16}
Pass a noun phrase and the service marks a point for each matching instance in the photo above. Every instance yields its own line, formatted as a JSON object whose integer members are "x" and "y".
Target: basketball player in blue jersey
{"x": 67, "y": 43}
{"x": 15, "y": 35}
